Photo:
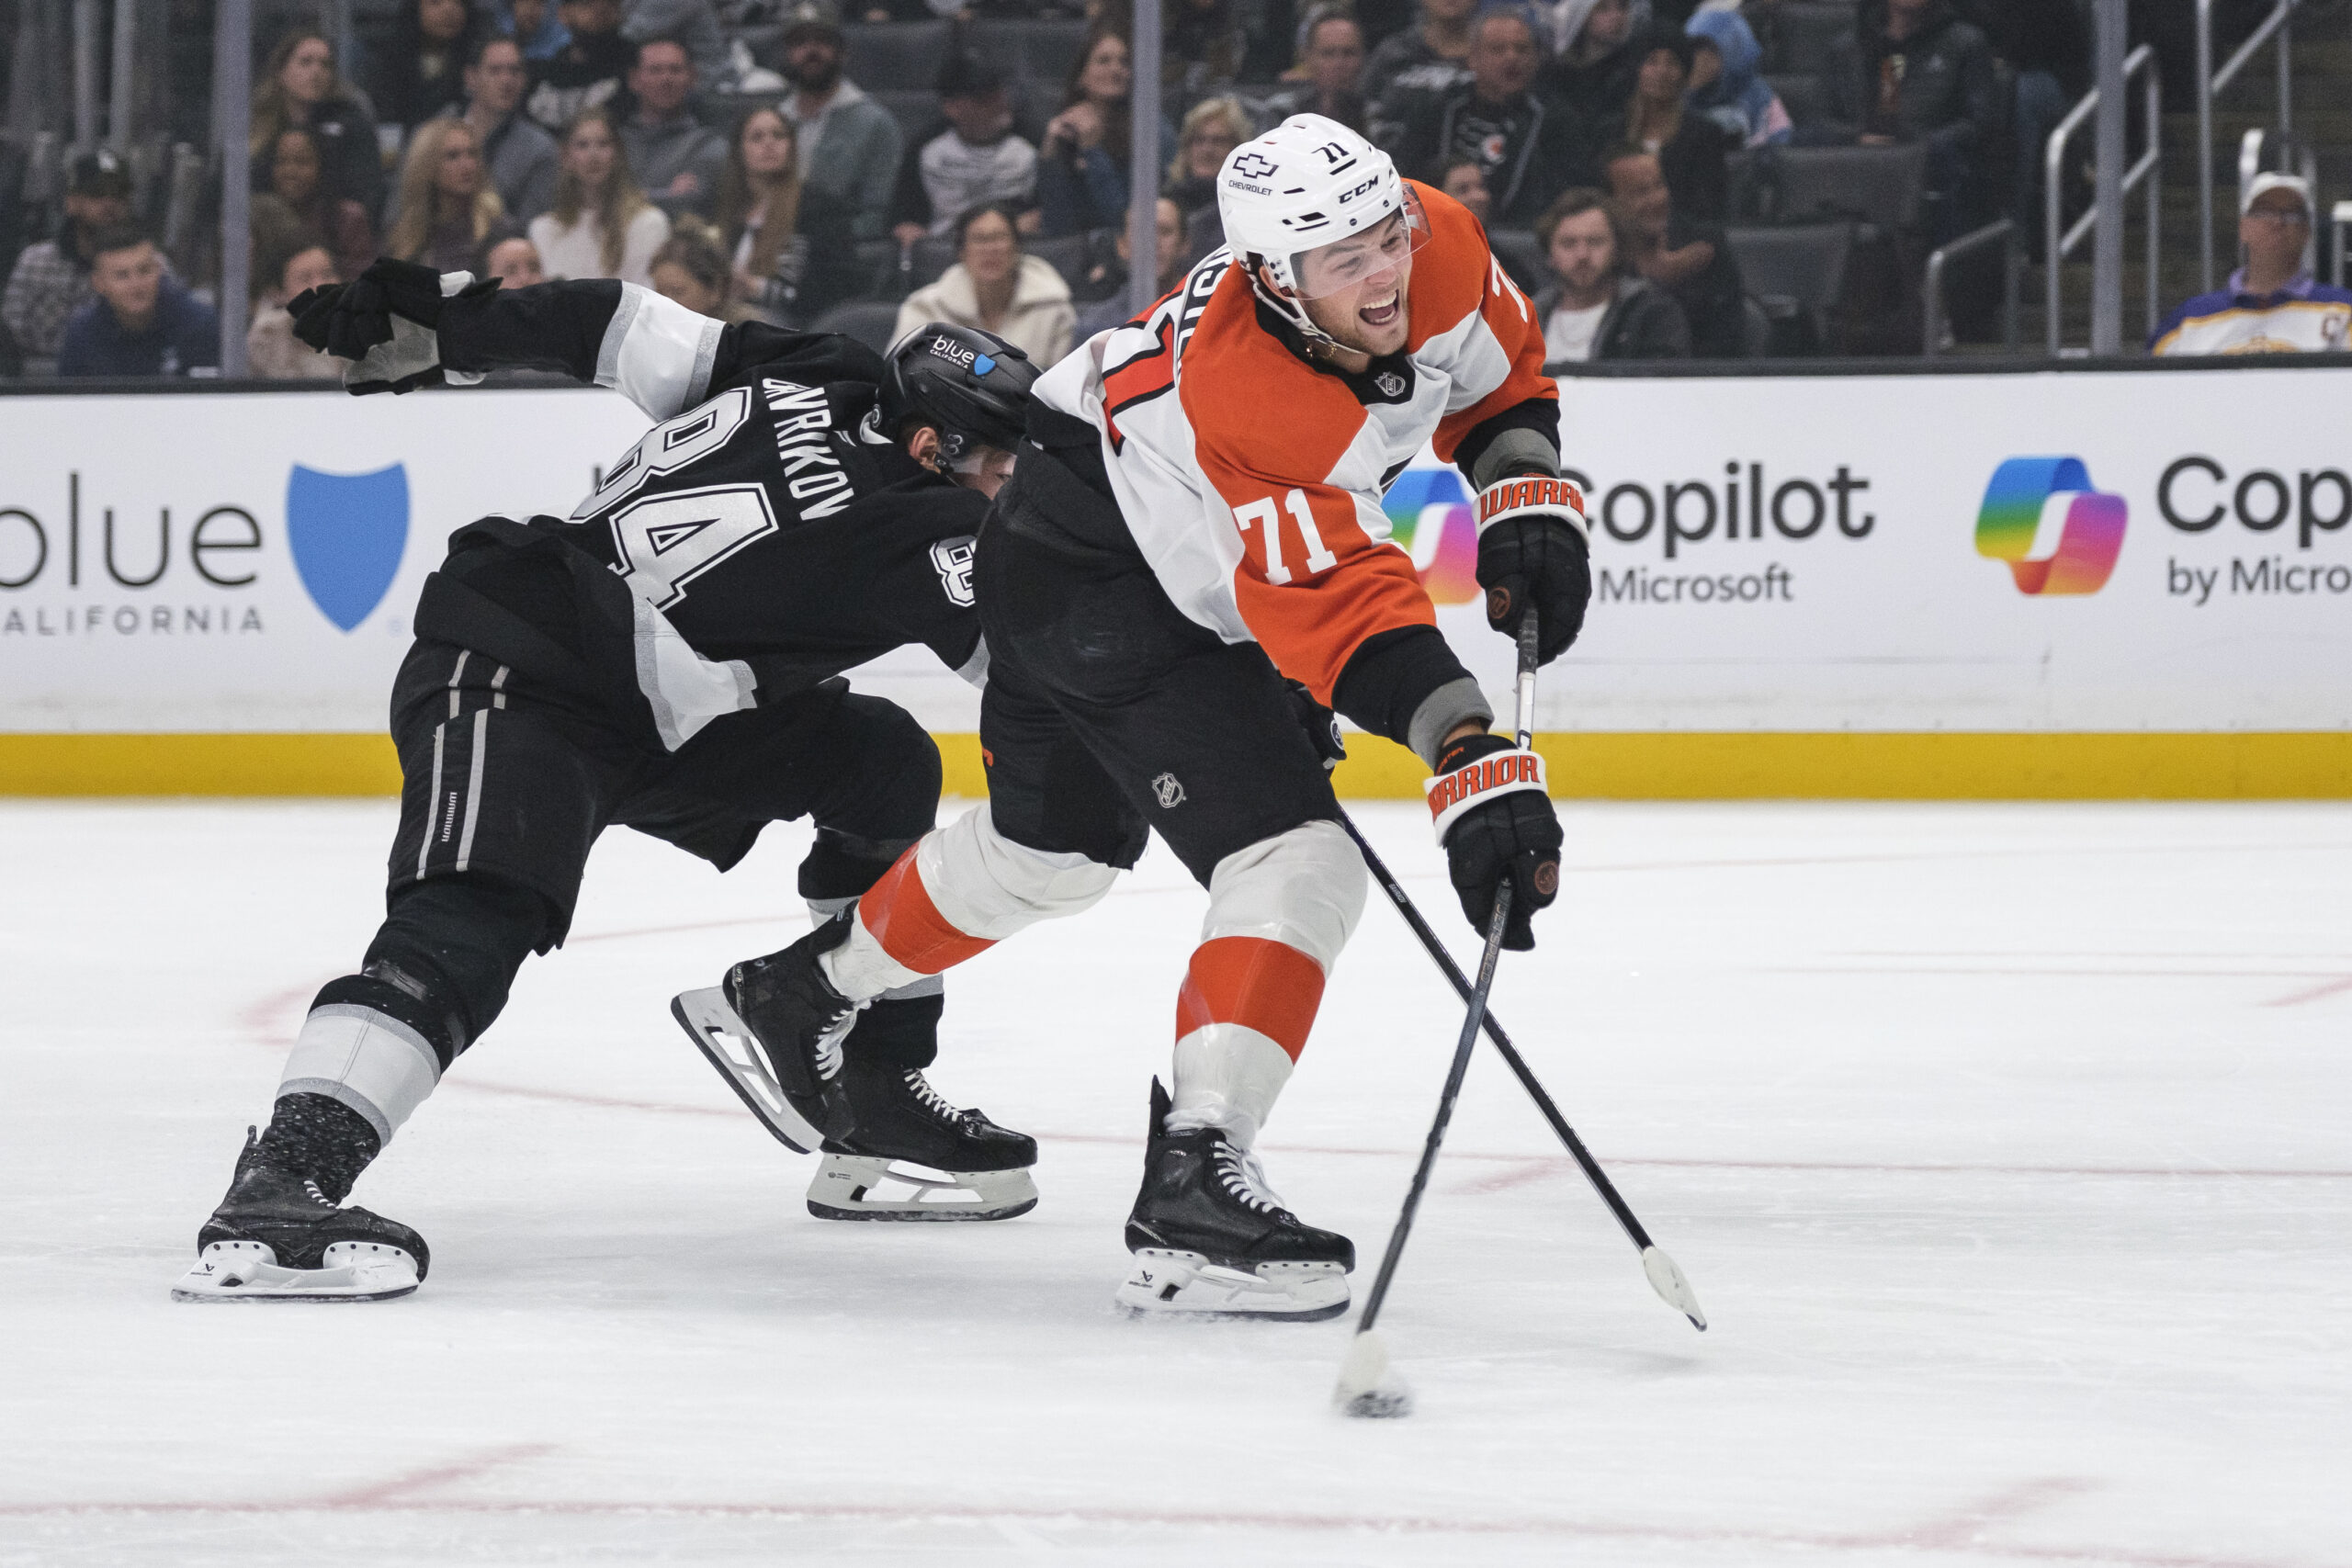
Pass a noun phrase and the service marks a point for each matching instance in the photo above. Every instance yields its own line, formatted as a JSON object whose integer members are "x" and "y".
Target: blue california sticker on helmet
{"x": 982, "y": 364}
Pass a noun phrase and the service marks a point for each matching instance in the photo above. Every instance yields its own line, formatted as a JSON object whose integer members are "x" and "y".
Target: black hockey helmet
{"x": 970, "y": 386}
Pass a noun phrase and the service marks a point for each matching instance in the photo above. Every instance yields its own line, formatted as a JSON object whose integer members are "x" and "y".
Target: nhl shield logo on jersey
{"x": 1169, "y": 792}
{"x": 1391, "y": 384}
{"x": 347, "y": 533}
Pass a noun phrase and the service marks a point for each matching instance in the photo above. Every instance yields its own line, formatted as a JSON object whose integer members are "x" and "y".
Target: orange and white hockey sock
{"x": 958, "y": 892}
{"x": 1278, "y": 913}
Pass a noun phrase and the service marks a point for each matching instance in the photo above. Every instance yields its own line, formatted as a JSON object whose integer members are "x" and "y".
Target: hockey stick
{"x": 1664, "y": 1277}
{"x": 1366, "y": 1387}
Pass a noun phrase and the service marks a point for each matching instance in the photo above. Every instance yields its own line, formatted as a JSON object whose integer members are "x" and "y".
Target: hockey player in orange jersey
{"x": 1190, "y": 556}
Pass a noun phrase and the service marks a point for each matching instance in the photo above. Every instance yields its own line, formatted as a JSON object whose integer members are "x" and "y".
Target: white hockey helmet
{"x": 1306, "y": 183}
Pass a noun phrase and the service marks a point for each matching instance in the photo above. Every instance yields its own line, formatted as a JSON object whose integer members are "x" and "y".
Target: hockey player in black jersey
{"x": 667, "y": 658}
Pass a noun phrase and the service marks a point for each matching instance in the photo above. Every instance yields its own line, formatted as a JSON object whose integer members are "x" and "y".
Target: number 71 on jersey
{"x": 1262, "y": 511}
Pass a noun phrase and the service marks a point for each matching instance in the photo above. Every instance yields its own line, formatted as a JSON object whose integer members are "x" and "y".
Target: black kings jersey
{"x": 766, "y": 533}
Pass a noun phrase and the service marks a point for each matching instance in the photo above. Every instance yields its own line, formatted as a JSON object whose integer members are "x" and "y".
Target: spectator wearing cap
{"x": 51, "y": 279}
{"x": 850, "y": 145}
{"x": 1685, "y": 257}
{"x": 297, "y": 168}
{"x": 998, "y": 288}
{"x": 1596, "y": 307}
{"x": 1328, "y": 77}
{"x": 141, "y": 322}
{"x": 299, "y": 85}
{"x": 1112, "y": 309}
{"x": 590, "y": 71}
{"x": 1413, "y": 69}
{"x": 976, "y": 157}
{"x": 676, "y": 158}
{"x": 521, "y": 157}
{"x": 422, "y": 72}
{"x": 1082, "y": 162}
{"x": 2271, "y": 305}
{"x": 1211, "y": 130}
{"x": 1526, "y": 146}
{"x": 1725, "y": 85}
{"x": 1912, "y": 71}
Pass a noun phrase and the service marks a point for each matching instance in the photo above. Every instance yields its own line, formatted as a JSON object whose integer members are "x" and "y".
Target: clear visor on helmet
{"x": 1385, "y": 247}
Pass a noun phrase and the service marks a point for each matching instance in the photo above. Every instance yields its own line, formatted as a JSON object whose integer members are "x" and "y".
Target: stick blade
{"x": 1369, "y": 1388}
{"x": 1666, "y": 1279}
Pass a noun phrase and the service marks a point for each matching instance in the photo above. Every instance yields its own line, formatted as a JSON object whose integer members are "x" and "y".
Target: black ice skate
{"x": 774, "y": 1029}
{"x": 914, "y": 1157}
{"x": 1211, "y": 1239}
{"x": 277, "y": 1238}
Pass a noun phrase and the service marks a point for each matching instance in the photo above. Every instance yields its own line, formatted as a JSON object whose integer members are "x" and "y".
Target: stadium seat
{"x": 915, "y": 109}
{"x": 896, "y": 55}
{"x": 872, "y": 323}
{"x": 1521, "y": 255}
{"x": 1802, "y": 92}
{"x": 1798, "y": 275}
{"x": 1072, "y": 256}
{"x": 1041, "y": 52}
{"x": 1801, "y": 35}
{"x": 1882, "y": 186}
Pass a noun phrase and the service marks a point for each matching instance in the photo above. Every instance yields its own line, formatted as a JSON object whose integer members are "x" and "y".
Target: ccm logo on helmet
{"x": 1348, "y": 195}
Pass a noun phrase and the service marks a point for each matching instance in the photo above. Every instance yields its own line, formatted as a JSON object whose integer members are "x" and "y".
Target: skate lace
{"x": 829, "y": 1044}
{"x": 317, "y": 1197}
{"x": 1240, "y": 1175}
{"x": 928, "y": 1097}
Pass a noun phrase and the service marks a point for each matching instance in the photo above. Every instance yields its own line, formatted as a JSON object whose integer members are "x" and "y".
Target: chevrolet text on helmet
{"x": 1306, "y": 183}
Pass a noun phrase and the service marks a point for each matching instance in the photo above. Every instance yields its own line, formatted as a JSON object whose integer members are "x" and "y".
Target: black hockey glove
{"x": 386, "y": 322}
{"x": 1495, "y": 822}
{"x": 1322, "y": 726}
{"x": 1534, "y": 549}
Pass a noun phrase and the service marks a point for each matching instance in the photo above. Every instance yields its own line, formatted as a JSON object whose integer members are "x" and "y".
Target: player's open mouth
{"x": 1384, "y": 314}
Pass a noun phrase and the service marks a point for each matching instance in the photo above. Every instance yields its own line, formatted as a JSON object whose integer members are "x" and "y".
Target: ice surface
{"x": 2006, "y": 1146}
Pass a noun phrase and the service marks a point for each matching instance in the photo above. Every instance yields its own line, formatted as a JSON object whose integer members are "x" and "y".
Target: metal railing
{"x": 2209, "y": 83}
{"x": 2061, "y": 243}
{"x": 2339, "y": 224}
{"x": 2004, "y": 233}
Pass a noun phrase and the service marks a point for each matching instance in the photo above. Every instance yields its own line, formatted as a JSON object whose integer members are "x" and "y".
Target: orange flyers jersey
{"x": 1251, "y": 480}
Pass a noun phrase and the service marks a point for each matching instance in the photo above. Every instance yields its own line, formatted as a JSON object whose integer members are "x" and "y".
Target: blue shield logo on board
{"x": 348, "y": 532}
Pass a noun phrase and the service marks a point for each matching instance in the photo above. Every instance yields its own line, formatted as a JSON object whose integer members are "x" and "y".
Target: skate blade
{"x": 862, "y": 1187}
{"x": 1185, "y": 1284}
{"x": 723, "y": 1038}
{"x": 249, "y": 1271}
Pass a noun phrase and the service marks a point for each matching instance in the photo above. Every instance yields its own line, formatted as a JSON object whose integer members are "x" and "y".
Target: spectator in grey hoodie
{"x": 675, "y": 157}
{"x": 521, "y": 157}
{"x": 850, "y": 145}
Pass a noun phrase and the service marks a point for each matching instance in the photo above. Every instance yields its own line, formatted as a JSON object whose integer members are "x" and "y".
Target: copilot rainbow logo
{"x": 2024, "y": 491}
{"x": 1429, "y": 517}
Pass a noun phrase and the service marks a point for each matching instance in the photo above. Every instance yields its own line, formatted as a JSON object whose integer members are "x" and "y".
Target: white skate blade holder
{"x": 721, "y": 1036}
{"x": 1186, "y": 1284}
{"x": 249, "y": 1271}
{"x": 866, "y": 1187}
{"x": 1370, "y": 1387}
